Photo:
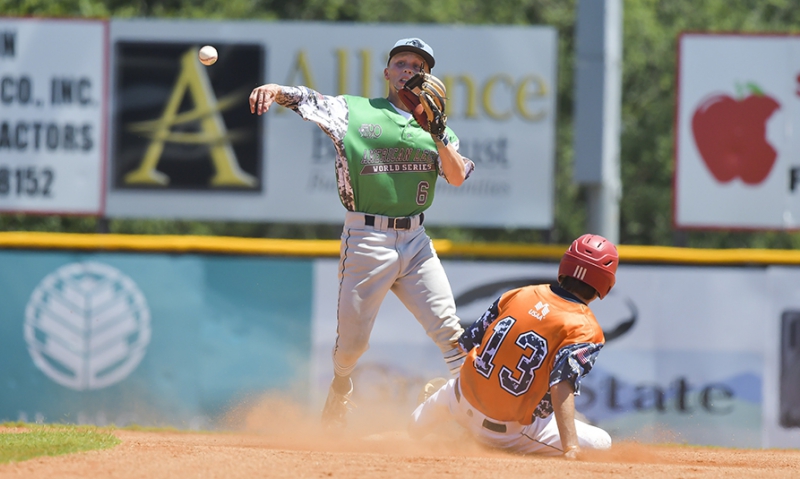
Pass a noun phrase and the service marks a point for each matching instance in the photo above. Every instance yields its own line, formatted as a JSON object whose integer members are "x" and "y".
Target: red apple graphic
{"x": 731, "y": 136}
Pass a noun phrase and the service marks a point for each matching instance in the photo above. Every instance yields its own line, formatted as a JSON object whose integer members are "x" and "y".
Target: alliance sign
{"x": 176, "y": 125}
{"x": 500, "y": 96}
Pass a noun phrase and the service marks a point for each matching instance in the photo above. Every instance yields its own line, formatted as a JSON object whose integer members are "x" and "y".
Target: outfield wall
{"x": 147, "y": 338}
{"x": 177, "y": 330}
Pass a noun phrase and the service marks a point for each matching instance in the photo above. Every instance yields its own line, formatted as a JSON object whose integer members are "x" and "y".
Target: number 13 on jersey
{"x": 497, "y": 350}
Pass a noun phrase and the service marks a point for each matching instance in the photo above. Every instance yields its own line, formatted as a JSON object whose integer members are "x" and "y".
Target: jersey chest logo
{"x": 541, "y": 310}
{"x": 370, "y": 131}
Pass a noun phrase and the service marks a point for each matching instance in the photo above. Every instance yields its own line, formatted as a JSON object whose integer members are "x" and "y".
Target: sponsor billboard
{"x": 52, "y": 115}
{"x": 700, "y": 355}
{"x": 703, "y": 355}
{"x": 148, "y": 339}
{"x": 184, "y": 144}
{"x": 737, "y": 142}
{"x": 181, "y": 126}
{"x": 87, "y": 325}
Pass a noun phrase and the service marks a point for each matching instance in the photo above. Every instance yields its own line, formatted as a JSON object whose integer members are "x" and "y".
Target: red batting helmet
{"x": 593, "y": 260}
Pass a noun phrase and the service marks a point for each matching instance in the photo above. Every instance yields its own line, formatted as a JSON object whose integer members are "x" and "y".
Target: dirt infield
{"x": 273, "y": 440}
{"x": 189, "y": 455}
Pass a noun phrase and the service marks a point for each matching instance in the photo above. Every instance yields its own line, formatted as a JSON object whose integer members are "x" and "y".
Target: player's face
{"x": 402, "y": 67}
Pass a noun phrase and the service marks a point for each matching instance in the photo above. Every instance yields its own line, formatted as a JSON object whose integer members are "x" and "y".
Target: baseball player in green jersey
{"x": 386, "y": 170}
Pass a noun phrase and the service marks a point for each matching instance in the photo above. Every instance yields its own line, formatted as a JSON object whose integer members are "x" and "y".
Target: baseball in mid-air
{"x": 207, "y": 55}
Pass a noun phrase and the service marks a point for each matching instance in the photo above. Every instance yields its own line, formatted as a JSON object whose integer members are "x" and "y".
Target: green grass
{"x": 52, "y": 440}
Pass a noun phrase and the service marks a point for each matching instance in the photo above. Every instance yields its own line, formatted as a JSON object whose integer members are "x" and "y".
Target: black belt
{"x": 395, "y": 223}
{"x": 492, "y": 426}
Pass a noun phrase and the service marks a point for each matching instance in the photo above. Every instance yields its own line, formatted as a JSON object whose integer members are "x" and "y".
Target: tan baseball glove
{"x": 426, "y": 97}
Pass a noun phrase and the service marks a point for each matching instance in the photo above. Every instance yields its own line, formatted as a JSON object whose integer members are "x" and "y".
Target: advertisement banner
{"x": 53, "y": 91}
{"x": 736, "y": 143}
{"x": 782, "y": 345}
{"x": 158, "y": 146}
{"x": 148, "y": 339}
{"x": 185, "y": 145}
{"x": 683, "y": 361}
{"x": 700, "y": 355}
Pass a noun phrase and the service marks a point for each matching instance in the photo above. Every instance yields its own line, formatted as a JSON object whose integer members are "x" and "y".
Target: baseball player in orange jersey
{"x": 526, "y": 357}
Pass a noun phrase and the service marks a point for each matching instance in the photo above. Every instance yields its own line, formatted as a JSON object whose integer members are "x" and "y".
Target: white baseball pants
{"x": 540, "y": 437}
{"x": 376, "y": 259}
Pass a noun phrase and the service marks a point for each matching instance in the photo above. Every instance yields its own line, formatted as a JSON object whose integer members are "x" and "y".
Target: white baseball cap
{"x": 414, "y": 45}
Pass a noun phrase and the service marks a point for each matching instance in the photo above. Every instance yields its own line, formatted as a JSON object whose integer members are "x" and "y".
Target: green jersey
{"x": 385, "y": 164}
{"x": 391, "y": 161}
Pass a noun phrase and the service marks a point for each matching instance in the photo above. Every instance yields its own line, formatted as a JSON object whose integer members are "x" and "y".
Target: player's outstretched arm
{"x": 563, "y": 399}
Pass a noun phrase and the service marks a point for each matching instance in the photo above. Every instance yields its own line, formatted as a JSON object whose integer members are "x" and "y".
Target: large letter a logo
{"x": 193, "y": 81}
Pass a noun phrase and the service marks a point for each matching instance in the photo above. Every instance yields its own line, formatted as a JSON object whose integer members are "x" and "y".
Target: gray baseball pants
{"x": 376, "y": 259}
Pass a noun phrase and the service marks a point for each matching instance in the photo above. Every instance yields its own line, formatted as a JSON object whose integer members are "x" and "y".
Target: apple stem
{"x": 748, "y": 88}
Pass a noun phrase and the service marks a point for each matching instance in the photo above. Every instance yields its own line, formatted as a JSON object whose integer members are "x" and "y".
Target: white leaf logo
{"x": 87, "y": 326}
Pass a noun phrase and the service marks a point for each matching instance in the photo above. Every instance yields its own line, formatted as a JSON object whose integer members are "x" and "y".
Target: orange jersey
{"x": 508, "y": 374}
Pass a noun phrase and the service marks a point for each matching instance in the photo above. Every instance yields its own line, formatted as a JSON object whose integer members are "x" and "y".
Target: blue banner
{"x": 149, "y": 339}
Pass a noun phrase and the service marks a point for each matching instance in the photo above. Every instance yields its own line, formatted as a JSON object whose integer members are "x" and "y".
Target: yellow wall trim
{"x": 330, "y": 248}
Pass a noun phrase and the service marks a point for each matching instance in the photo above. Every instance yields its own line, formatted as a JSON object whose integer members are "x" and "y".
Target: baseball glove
{"x": 426, "y": 97}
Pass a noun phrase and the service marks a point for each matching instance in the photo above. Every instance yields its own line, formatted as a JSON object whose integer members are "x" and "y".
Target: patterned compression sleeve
{"x": 329, "y": 112}
{"x": 572, "y": 363}
{"x": 473, "y": 335}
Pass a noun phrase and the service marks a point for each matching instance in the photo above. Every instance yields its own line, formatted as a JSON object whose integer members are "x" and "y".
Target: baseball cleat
{"x": 336, "y": 408}
{"x": 430, "y": 388}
